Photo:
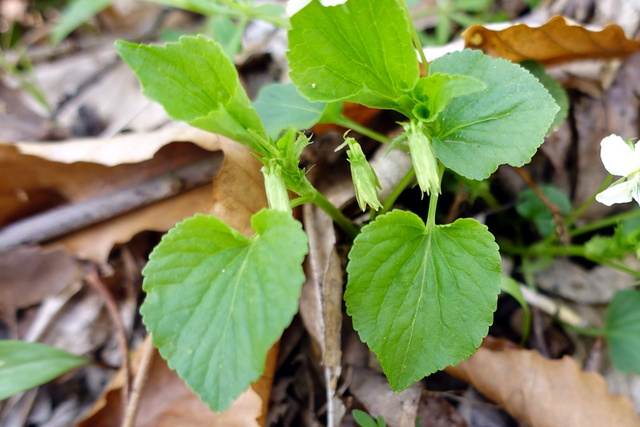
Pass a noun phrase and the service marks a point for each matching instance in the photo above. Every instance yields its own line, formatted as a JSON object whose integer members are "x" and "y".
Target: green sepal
{"x": 365, "y": 180}
{"x": 423, "y": 157}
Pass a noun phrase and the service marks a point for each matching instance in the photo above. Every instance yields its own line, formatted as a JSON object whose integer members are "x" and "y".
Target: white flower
{"x": 620, "y": 159}
{"x": 296, "y": 5}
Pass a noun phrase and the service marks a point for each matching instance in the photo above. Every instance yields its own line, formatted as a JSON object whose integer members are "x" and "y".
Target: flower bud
{"x": 277, "y": 194}
{"x": 364, "y": 177}
{"x": 423, "y": 158}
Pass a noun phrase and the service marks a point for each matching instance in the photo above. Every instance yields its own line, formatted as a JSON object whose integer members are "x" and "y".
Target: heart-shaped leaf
{"x": 360, "y": 51}
{"x": 422, "y": 297}
{"x": 505, "y": 123}
{"x": 217, "y": 301}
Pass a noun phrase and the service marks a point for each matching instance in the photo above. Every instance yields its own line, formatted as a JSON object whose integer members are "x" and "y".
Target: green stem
{"x": 363, "y": 130}
{"x": 25, "y": 82}
{"x": 242, "y": 8}
{"x": 570, "y": 250}
{"x": 583, "y": 207}
{"x": 336, "y": 214}
{"x": 433, "y": 204}
{"x": 617, "y": 266}
{"x": 416, "y": 39}
{"x": 433, "y": 198}
{"x": 592, "y": 332}
{"x": 527, "y": 273}
{"x": 605, "y": 222}
{"x": 406, "y": 180}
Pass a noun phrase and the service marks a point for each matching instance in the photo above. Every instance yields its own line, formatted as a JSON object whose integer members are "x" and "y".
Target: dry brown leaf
{"x": 541, "y": 392}
{"x": 167, "y": 402}
{"x": 76, "y": 170}
{"x": 238, "y": 192}
{"x": 18, "y": 121}
{"x": 554, "y": 42}
{"x": 373, "y": 390}
{"x": 29, "y": 275}
{"x": 61, "y": 174}
{"x": 321, "y": 301}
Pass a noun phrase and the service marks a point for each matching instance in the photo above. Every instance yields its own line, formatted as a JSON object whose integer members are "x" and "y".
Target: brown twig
{"x": 93, "y": 279}
{"x": 68, "y": 218}
{"x": 539, "y": 341}
{"x": 139, "y": 383}
{"x": 595, "y": 356}
{"x": 561, "y": 229}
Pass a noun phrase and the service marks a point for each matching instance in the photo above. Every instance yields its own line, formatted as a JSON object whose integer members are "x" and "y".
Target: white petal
{"x": 635, "y": 193}
{"x": 618, "y": 193}
{"x": 294, "y": 6}
{"x": 618, "y": 158}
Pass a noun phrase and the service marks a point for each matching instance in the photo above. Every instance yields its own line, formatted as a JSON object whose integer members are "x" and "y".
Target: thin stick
{"x": 563, "y": 235}
{"x": 139, "y": 382}
{"x": 93, "y": 279}
{"x": 68, "y": 218}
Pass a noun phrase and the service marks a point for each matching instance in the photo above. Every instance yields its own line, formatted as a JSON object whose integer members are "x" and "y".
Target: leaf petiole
{"x": 605, "y": 222}
{"x": 406, "y": 180}
{"x": 346, "y": 122}
{"x": 336, "y": 214}
{"x": 433, "y": 200}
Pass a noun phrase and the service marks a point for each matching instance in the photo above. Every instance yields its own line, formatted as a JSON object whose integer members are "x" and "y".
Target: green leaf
{"x": 76, "y": 13}
{"x": 24, "y": 365}
{"x": 529, "y": 206}
{"x": 612, "y": 247}
{"x": 437, "y": 90}
{"x": 360, "y": 51}
{"x": 554, "y": 88}
{"x": 511, "y": 287}
{"x": 195, "y": 82}
{"x": 227, "y": 33}
{"x": 217, "y": 301}
{"x": 281, "y": 107}
{"x": 505, "y": 123}
{"x": 623, "y": 330}
{"x": 363, "y": 419}
{"x": 422, "y": 297}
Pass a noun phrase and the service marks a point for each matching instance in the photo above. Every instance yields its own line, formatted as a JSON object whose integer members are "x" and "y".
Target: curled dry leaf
{"x": 541, "y": 392}
{"x": 34, "y": 177}
{"x": 321, "y": 301}
{"x": 557, "y": 41}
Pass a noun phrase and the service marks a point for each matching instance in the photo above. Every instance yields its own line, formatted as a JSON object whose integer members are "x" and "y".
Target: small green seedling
{"x": 420, "y": 294}
{"x": 365, "y": 420}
